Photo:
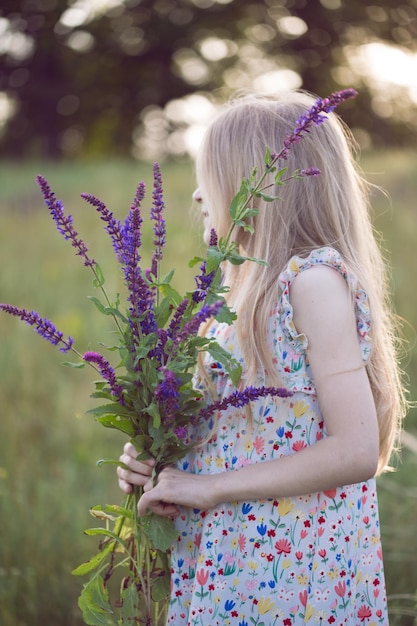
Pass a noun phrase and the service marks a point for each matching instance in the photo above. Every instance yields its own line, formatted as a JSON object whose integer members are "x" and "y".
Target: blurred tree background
{"x": 89, "y": 90}
{"x": 95, "y": 77}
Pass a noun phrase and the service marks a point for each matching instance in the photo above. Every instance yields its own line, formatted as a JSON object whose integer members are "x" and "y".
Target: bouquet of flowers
{"x": 149, "y": 394}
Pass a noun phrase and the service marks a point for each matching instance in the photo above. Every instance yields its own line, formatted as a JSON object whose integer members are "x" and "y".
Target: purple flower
{"x": 113, "y": 226}
{"x": 191, "y": 327}
{"x": 43, "y": 326}
{"x": 213, "y": 238}
{"x": 181, "y": 432}
{"x": 64, "y": 223}
{"x": 107, "y": 372}
{"x": 175, "y": 323}
{"x": 140, "y": 294}
{"x": 314, "y": 117}
{"x": 310, "y": 171}
{"x": 203, "y": 282}
{"x": 241, "y": 398}
{"x": 167, "y": 396}
{"x": 157, "y": 212}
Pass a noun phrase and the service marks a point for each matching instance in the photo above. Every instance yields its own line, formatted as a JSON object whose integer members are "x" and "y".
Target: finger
{"x": 124, "y": 486}
{"x": 130, "y": 449}
{"x": 132, "y": 478}
{"x": 141, "y": 467}
{"x": 149, "y": 503}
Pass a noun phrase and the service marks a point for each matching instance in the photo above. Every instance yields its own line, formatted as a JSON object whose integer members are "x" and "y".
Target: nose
{"x": 197, "y": 197}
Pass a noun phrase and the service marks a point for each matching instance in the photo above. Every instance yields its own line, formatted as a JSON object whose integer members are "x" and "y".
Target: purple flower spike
{"x": 241, "y": 398}
{"x": 140, "y": 295}
{"x": 157, "y": 212}
{"x": 42, "y": 326}
{"x": 203, "y": 282}
{"x": 175, "y": 323}
{"x": 314, "y": 117}
{"x": 113, "y": 226}
{"x": 213, "y": 238}
{"x": 63, "y": 222}
{"x": 107, "y": 373}
{"x": 167, "y": 396}
{"x": 310, "y": 171}
{"x": 191, "y": 327}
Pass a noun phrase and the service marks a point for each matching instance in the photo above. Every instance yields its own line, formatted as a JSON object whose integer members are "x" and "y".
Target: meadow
{"x": 49, "y": 446}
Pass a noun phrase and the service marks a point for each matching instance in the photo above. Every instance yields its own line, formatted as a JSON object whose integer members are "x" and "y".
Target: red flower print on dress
{"x": 340, "y": 588}
{"x": 283, "y": 546}
{"x": 241, "y": 542}
{"x": 299, "y": 445}
{"x": 303, "y": 595}
{"x": 259, "y": 444}
{"x": 202, "y": 576}
{"x": 364, "y": 612}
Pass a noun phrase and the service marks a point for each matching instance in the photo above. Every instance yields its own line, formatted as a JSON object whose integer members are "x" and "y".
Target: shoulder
{"x": 319, "y": 284}
{"x": 323, "y": 306}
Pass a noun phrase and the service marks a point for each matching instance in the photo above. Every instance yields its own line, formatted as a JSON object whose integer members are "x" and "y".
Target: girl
{"x": 276, "y": 508}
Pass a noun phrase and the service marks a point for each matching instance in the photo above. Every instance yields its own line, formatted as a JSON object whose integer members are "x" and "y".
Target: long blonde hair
{"x": 331, "y": 209}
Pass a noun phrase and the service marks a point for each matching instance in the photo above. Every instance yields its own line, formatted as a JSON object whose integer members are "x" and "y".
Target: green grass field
{"x": 48, "y": 446}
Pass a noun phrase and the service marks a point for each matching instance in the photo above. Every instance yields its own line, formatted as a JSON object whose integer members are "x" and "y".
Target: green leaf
{"x": 106, "y": 533}
{"x": 171, "y": 293}
{"x": 279, "y": 175}
{"x": 239, "y": 200}
{"x": 129, "y": 605}
{"x": 160, "y": 588}
{"x": 235, "y": 259}
{"x": 142, "y": 444}
{"x": 77, "y": 366}
{"x": 101, "y": 462}
{"x": 99, "y": 280}
{"x": 107, "y": 310}
{"x": 94, "y": 562}
{"x": 163, "y": 311}
{"x": 94, "y": 603}
{"x": 167, "y": 278}
{"x": 226, "y": 315}
{"x": 118, "y": 423}
{"x": 266, "y": 197}
{"x": 153, "y": 410}
{"x": 112, "y": 408}
{"x": 160, "y": 530}
{"x": 214, "y": 258}
{"x": 195, "y": 260}
{"x": 117, "y": 509}
{"x": 235, "y": 375}
{"x": 267, "y": 157}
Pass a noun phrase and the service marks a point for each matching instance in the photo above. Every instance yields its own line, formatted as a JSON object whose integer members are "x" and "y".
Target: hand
{"x": 174, "y": 487}
{"x": 139, "y": 472}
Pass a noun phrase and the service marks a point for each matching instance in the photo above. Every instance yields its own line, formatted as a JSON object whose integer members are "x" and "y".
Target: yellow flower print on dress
{"x": 285, "y": 506}
{"x": 293, "y": 265}
{"x": 300, "y": 408}
{"x": 265, "y": 605}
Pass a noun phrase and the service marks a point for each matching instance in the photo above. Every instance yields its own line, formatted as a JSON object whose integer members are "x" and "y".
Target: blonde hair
{"x": 331, "y": 209}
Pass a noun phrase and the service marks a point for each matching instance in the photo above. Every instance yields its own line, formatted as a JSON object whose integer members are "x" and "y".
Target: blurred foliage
{"x": 78, "y": 80}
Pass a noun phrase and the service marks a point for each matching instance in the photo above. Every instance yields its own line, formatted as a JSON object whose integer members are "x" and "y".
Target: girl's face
{"x": 207, "y": 222}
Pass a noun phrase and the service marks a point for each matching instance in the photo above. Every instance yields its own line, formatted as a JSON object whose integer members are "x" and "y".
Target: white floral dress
{"x": 313, "y": 559}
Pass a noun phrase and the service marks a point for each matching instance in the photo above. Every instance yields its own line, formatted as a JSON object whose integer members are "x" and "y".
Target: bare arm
{"x": 323, "y": 311}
